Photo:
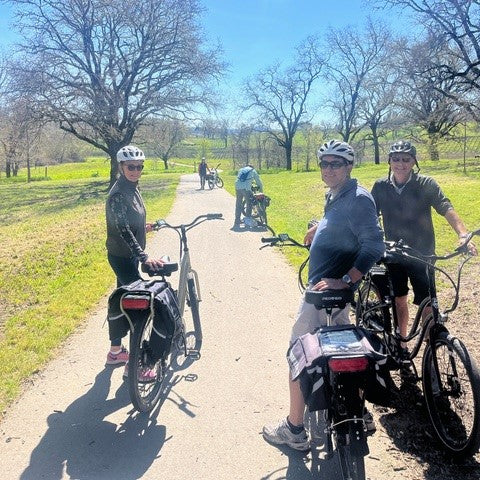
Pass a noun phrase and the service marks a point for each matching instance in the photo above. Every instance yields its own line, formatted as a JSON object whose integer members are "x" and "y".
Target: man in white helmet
{"x": 126, "y": 233}
{"x": 344, "y": 245}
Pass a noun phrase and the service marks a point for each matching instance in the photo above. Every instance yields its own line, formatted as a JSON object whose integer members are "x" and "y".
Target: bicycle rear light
{"x": 348, "y": 364}
{"x": 136, "y": 302}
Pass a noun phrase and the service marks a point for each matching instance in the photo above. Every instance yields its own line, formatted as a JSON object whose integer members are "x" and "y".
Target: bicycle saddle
{"x": 329, "y": 298}
{"x": 164, "y": 271}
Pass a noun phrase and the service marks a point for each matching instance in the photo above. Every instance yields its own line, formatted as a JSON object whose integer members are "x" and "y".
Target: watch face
{"x": 347, "y": 279}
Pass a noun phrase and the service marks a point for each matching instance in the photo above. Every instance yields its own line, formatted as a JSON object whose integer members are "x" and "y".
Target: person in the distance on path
{"x": 243, "y": 191}
{"x": 202, "y": 171}
{"x": 126, "y": 231}
{"x": 345, "y": 244}
{"x": 405, "y": 200}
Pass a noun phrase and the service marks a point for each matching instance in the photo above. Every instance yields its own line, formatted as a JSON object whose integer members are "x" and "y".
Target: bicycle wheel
{"x": 193, "y": 303}
{"x": 144, "y": 376}
{"x": 369, "y": 313}
{"x": 211, "y": 183}
{"x": 452, "y": 394}
{"x": 262, "y": 214}
{"x": 352, "y": 464}
{"x": 219, "y": 182}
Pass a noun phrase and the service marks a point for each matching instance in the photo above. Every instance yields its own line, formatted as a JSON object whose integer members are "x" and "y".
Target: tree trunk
{"x": 288, "y": 154}
{"x": 376, "y": 146}
{"x": 165, "y": 161}
{"x": 433, "y": 148}
{"x": 113, "y": 169}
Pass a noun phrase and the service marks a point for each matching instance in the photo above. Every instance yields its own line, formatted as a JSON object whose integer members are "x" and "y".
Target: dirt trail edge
{"x": 75, "y": 420}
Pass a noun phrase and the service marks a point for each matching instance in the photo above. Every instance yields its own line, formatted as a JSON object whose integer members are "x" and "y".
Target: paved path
{"x": 75, "y": 420}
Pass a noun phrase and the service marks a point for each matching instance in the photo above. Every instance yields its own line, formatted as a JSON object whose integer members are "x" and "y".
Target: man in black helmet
{"x": 405, "y": 200}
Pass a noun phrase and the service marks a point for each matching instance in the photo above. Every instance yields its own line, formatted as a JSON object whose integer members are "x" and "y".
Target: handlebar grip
{"x": 214, "y": 216}
{"x": 269, "y": 239}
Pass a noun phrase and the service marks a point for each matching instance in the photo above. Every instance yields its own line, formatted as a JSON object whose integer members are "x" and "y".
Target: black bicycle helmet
{"x": 402, "y": 146}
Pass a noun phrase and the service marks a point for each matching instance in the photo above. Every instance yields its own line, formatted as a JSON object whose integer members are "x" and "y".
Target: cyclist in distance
{"x": 405, "y": 200}
{"x": 202, "y": 172}
{"x": 344, "y": 245}
{"x": 126, "y": 232}
{"x": 243, "y": 190}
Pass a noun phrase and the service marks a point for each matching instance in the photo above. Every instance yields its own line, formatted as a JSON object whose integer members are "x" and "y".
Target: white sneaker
{"x": 280, "y": 434}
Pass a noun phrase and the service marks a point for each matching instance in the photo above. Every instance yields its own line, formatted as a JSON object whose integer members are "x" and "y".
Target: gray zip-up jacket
{"x": 126, "y": 221}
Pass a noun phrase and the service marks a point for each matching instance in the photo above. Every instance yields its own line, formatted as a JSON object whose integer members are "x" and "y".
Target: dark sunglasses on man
{"x": 335, "y": 165}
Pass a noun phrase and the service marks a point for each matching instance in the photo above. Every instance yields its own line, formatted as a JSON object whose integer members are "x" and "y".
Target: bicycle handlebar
{"x": 400, "y": 248}
{"x": 282, "y": 238}
{"x": 201, "y": 218}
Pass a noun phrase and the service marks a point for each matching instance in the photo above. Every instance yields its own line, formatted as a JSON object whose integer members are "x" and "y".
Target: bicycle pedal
{"x": 195, "y": 354}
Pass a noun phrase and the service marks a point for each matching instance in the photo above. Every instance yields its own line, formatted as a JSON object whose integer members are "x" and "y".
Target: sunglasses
{"x": 132, "y": 168}
{"x": 403, "y": 159}
{"x": 333, "y": 165}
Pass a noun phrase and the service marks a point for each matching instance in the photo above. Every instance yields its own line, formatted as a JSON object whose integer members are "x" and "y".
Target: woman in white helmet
{"x": 126, "y": 232}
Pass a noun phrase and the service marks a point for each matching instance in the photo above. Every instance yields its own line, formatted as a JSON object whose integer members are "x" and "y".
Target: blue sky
{"x": 256, "y": 33}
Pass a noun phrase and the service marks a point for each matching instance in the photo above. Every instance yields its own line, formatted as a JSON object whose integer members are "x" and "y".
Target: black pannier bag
{"x": 308, "y": 360}
{"x": 166, "y": 314}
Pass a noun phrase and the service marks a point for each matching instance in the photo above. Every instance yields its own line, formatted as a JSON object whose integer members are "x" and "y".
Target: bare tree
{"x": 456, "y": 24}
{"x": 19, "y": 133}
{"x": 422, "y": 88}
{"x": 357, "y": 57}
{"x": 279, "y": 97}
{"x": 164, "y": 136}
{"x": 101, "y": 69}
{"x": 375, "y": 110}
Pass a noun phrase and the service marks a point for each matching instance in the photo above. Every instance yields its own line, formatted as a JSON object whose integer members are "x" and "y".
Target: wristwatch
{"x": 348, "y": 280}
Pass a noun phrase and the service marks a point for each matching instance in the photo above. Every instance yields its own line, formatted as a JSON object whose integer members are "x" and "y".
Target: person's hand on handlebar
{"x": 471, "y": 247}
{"x": 309, "y": 235}
{"x": 149, "y": 227}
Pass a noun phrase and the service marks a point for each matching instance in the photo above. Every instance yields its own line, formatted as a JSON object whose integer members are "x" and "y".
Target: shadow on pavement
{"x": 80, "y": 443}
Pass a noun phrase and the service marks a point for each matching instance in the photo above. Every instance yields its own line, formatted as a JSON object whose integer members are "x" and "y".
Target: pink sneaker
{"x": 117, "y": 358}
{"x": 145, "y": 375}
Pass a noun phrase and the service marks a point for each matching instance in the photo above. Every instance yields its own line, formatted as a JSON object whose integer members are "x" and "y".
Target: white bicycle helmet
{"x": 337, "y": 148}
{"x": 130, "y": 152}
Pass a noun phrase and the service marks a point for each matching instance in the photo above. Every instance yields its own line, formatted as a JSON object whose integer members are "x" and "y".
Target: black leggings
{"x": 126, "y": 271}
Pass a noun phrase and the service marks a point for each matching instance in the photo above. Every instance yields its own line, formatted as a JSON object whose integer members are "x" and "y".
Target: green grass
{"x": 53, "y": 236}
{"x": 53, "y": 255}
{"x": 299, "y": 197}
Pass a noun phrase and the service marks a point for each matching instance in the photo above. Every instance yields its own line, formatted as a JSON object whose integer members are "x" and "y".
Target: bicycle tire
{"x": 262, "y": 214}
{"x": 211, "y": 183}
{"x": 193, "y": 303}
{"x": 144, "y": 395}
{"x": 453, "y": 403}
{"x": 368, "y": 312}
{"x": 219, "y": 182}
{"x": 352, "y": 464}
